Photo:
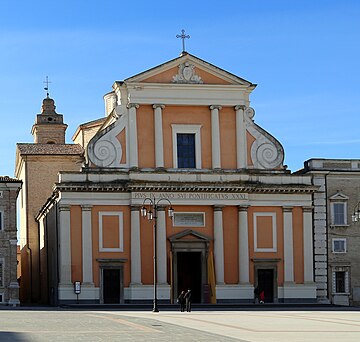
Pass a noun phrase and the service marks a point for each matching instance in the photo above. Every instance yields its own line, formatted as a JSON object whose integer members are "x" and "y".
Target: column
{"x": 308, "y": 245}
{"x": 288, "y": 245}
{"x": 159, "y": 144}
{"x": 215, "y": 137}
{"x": 161, "y": 246}
{"x": 87, "y": 265}
{"x": 218, "y": 245}
{"x": 241, "y": 142}
{"x": 135, "y": 246}
{"x": 64, "y": 246}
{"x": 133, "y": 146}
{"x": 243, "y": 245}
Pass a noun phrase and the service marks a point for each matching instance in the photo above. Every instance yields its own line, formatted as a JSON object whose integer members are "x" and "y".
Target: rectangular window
{"x": 1, "y": 298}
{"x": 339, "y": 245}
{"x": 186, "y": 150}
{"x": 340, "y": 281}
{"x": 338, "y": 213}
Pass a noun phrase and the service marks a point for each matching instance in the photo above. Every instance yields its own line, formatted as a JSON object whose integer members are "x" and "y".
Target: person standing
{"x": 256, "y": 295}
{"x": 181, "y": 301}
{"x": 188, "y": 300}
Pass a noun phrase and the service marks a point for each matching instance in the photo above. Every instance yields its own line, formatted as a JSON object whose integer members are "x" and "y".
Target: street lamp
{"x": 356, "y": 215}
{"x": 149, "y": 211}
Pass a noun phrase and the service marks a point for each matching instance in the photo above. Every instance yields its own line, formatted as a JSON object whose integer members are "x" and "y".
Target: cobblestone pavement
{"x": 39, "y": 325}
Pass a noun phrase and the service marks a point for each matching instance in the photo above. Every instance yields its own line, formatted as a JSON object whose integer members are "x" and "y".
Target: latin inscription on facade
{"x": 191, "y": 196}
{"x": 189, "y": 220}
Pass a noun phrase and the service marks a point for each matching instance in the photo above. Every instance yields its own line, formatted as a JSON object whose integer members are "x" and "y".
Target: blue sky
{"x": 304, "y": 56}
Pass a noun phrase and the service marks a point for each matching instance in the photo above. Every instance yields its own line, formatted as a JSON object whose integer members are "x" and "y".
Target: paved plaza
{"x": 114, "y": 325}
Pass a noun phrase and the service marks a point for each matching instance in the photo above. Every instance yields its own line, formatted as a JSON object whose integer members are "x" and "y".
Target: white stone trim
{"x": 133, "y": 140}
{"x": 241, "y": 142}
{"x": 288, "y": 245}
{"x": 145, "y": 292}
{"x": 244, "y": 271}
{"x": 64, "y": 245}
{"x": 219, "y": 246}
{"x": 135, "y": 247}
{"x": 87, "y": 260}
{"x": 333, "y": 245}
{"x": 161, "y": 247}
{"x": 274, "y": 232}
{"x": 187, "y": 129}
{"x": 231, "y": 292}
{"x": 215, "y": 137}
{"x": 159, "y": 143}
{"x": 308, "y": 245}
{"x": 121, "y": 237}
{"x": 297, "y": 291}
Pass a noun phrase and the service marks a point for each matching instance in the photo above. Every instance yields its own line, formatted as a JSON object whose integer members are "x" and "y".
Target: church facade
{"x": 183, "y": 136}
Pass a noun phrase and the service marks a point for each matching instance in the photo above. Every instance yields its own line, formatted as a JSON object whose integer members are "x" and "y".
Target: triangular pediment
{"x": 188, "y": 69}
{"x": 339, "y": 197}
{"x": 189, "y": 235}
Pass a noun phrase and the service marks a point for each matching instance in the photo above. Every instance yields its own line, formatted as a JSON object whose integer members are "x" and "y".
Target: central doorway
{"x": 189, "y": 274}
{"x": 265, "y": 277}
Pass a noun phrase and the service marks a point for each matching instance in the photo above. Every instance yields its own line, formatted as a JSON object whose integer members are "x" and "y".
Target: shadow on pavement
{"x": 12, "y": 336}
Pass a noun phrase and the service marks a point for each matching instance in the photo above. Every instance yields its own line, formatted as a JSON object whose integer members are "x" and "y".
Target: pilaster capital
{"x": 132, "y": 105}
{"x": 243, "y": 208}
{"x": 64, "y": 207}
{"x": 308, "y": 209}
{"x": 239, "y": 107}
{"x": 287, "y": 209}
{"x": 218, "y": 207}
{"x": 212, "y": 107}
{"x": 135, "y": 207}
{"x": 86, "y": 207}
{"x": 158, "y": 105}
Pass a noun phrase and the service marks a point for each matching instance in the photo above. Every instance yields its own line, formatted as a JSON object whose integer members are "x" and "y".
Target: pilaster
{"x": 218, "y": 245}
{"x": 215, "y": 137}
{"x": 159, "y": 144}
{"x": 133, "y": 141}
{"x": 241, "y": 142}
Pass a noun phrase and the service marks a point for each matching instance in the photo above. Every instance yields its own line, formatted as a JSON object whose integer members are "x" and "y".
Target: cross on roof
{"x": 47, "y": 86}
{"x": 183, "y": 36}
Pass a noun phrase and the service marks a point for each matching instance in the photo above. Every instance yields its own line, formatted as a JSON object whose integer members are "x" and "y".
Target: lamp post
{"x": 356, "y": 215}
{"x": 149, "y": 210}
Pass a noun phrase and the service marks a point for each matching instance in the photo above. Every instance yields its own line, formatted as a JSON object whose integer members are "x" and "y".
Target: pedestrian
{"x": 262, "y": 296}
{"x": 256, "y": 295}
{"x": 181, "y": 301}
{"x": 188, "y": 300}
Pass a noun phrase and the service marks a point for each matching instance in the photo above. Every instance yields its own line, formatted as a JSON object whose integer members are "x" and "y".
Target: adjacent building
{"x": 37, "y": 166}
{"x": 9, "y": 287}
{"x": 181, "y": 134}
{"x": 336, "y": 232}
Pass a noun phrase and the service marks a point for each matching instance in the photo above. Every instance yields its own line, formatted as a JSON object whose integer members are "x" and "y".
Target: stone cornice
{"x": 135, "y": 186}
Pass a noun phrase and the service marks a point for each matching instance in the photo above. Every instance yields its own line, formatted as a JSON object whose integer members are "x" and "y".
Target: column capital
{"x": 158, "y": 105}
{"x": 218, "y": 107}
{"x": 243, "y": 207}
{"x": 135, "y": 207}
{"x": 308, "y": 209}
{"x": 287, "y": 209}
{"x": 86, "y": 207}
{"x": 218, "y": 207}
{"x": 240, "y": 107}
{"x": 132, "y": 105}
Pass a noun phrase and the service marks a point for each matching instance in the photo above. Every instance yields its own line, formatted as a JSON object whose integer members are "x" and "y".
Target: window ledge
{"x": 339, "y": 225}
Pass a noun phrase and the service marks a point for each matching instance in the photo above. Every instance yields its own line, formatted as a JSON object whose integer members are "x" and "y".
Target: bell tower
{"x": 49, "y": 127}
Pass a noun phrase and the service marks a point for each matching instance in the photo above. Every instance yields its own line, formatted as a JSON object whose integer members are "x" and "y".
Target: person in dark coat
{"x": 188, "y": 300}
{"x": 256, "y": 294}
{"x": 181, "y": 301}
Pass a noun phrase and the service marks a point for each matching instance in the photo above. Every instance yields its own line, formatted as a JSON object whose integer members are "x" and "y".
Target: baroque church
{"x": 178, "y": 139}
